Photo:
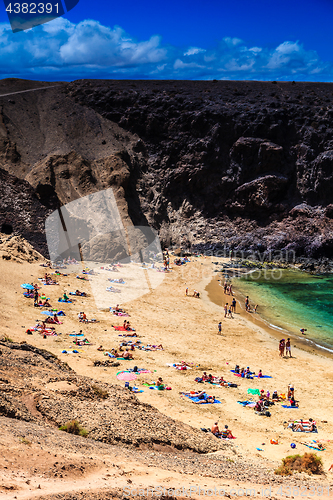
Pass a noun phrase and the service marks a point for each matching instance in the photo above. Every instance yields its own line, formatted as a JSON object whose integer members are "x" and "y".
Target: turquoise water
{"x": 291, "y": 300}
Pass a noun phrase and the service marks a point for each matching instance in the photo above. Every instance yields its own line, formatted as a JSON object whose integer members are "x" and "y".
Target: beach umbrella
{"x": 126, "y": 376}
{"x": 27, "y": 286}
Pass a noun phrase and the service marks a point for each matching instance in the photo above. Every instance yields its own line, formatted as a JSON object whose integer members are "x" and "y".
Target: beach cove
{"x": 187, "y": 329}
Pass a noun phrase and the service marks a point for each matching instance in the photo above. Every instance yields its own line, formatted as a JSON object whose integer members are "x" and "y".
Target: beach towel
{"x": 286, "y": 406}
{"x": 122, "y": 329}
{"x": 315, "y": 430}
{"x": 249, "y": 404}
{"x": 196, "y": 399}
{"x": 124, "y": 359}
{"x": 254, "y": 392}
{"x": 76, "y": 335}
{"x": 314, "y": 447}
{"x": 154, "y": 387}
{"x": 242, "y": 376}
{"x": 264, "y": 376}
{"x": 65, "y": 301}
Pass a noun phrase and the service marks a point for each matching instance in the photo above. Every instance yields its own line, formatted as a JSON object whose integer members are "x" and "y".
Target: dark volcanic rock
{"x": 207, "y": 164}
{"x": 228, "y": 163}
{"x": 21, "y": 212}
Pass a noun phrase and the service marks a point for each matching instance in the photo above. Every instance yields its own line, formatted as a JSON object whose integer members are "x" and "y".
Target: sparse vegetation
{"x": 74, "y": 427}
{"x": 102, "y": 393}
{"x": 25, "y": 441}
{"x": 6, "y": 339}
{"x": 309, "y": 463}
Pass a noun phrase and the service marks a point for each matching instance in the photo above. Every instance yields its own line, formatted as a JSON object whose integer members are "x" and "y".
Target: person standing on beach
{"x": 186, "y": 292}
{"x": 281, "y": 348}
{"x": 229, "y": 312}
{"x": 220, "y": 327}
{"x": 247, "y": 303}
{"x": 225, "y": 310}
{"x": 233, "y": 305}
{"x": 288, "y": 348}
{"x": 225, "y": 286}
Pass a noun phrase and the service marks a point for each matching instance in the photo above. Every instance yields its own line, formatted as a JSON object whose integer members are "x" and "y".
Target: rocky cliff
{"x": 247, "y": 165}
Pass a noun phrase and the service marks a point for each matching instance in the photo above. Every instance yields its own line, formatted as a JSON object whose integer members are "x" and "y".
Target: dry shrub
{"x": 309, "y": 463}
{"x": 101, "y": 393}
{"x": 73, "y": 427}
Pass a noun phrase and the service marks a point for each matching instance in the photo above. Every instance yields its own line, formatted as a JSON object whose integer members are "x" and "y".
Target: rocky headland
{"x": 209, "y": 165}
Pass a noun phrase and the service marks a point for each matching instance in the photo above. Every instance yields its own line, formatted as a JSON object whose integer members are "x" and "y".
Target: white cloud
{"x": 64, "y": 50}
{"x": 193, "y": 50}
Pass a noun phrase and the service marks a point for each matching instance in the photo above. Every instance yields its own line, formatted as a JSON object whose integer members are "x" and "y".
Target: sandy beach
{"x": 187, "y": 327}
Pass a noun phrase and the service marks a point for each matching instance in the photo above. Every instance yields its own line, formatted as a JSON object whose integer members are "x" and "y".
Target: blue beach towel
{"x": 194, "y": 398}
{"x": 286, "y": 406}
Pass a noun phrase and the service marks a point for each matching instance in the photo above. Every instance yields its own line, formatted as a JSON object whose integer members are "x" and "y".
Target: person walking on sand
{"x": 220, "y": 327}
{"x": 281, "y": 347}
{"x": 247, "y": 303}
{"x": 229, "y": 312}
{"x": 288, "y": 348}
{"x": 233, "y": 305}
{"x": 225, "y": 286}
{"x": 225, "y": 310}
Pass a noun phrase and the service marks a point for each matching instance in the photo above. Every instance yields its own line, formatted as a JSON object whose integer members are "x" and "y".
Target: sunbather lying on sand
{"x": 208, "y": 399}
{"x": 304, "y": 427}
{"x": 127, "y": 354}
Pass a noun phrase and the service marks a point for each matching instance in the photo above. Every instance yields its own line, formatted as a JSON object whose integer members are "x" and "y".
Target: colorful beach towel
{"x": 65, "y": 301}
{"x": 196, "y": 399}
{"x": 255, "y": 392}
{"x": 287, "y": 406}
{"x": 122, "y": 329}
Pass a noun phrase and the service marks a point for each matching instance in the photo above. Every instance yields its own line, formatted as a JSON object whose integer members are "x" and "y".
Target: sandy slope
{"x": 187, "y": 327}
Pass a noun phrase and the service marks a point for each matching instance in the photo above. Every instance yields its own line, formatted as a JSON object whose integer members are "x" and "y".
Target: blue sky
{"x": 181, "y": 39}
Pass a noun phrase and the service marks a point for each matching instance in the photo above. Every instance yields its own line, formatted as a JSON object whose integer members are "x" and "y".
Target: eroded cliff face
{"x": 247, "y": 165}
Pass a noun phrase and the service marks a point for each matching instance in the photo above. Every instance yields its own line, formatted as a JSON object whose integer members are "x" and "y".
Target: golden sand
{"x": 187, "y": 328}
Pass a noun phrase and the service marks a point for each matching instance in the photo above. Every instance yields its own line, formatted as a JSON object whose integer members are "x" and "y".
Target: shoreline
{"x": 308, "y": 345}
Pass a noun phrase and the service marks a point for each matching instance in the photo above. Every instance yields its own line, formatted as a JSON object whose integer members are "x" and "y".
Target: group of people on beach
{"x": 227, "y": 288}
{"x": 284, "y": 345}
{"x": 248, "y": 305}
{"x": 230, "y": 308}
